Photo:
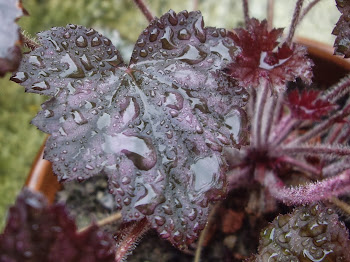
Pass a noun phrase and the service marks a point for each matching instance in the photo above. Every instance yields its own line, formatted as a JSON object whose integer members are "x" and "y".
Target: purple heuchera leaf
{"x": 342, "y": 29}
{"x": 10, "y": 51}
{"x": 156, "y": 127}
{"x": 310, "y": 233}
{"x": 38, "y": 232}
{"x": 308, "y": 104}
{"x": 259, "y": 58}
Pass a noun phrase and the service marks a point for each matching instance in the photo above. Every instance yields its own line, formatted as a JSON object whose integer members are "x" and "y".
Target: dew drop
{"x": 167, "y": 210}
{"x": 147, "y": 203}
{"x": 183, "y": 34}
{"x": 192, "y": 55}
{"x": 172, "y": 18}
{"x": 96, "y": 41}
{"x": 143, "y": 53}
{"x": 177, "y": 236}
{"x": 89, "y": 167}
{"x": 141, "y": 42}
{"x": 138, "y": 149}
{"x": 85, "y": 61}
{"x": 20, "y": 77}
{"x": 81, "y": 41}
{"x": 36, "y": 60}
{"x": 48, "y": 113}
{"x": 167, "y": 39}
{"x": 174, "y": 100}
{"x": 154, "y": 35}
{"x": 198, "y": 30}
{"x": 127, "y": 201}
{"x": 78, "y": 117}
{"x": 164, "y": 234}
{"x": 205, "y": 173}
{"x": 126, "y": 180}
{"x": 159, "y": 220}
{"x": 41, "y": 86}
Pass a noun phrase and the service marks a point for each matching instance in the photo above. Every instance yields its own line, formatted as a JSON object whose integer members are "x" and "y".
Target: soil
{"x": 233, "y": 233}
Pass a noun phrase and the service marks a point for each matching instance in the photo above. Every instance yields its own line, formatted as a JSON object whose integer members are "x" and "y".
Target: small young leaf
{"x": 308, "y": 234}
{"x": 263, "y": 57}
{"x": 38, "y": 232}
{"x": 308, "y": 105}
{"x": 342, "y": 29}
{"x": 156, "y": 127}
{"x": 10, "y": 52}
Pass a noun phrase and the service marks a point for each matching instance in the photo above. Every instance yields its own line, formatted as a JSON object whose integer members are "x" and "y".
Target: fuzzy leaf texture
{"x": 308, "y": 105}
{"x": 310, "y": 233}
{"x": 342, "y": 29}
{"x": 10, "y": 51}
{"x": 155, "y": 127}
{"x": 264, "y": 57}
{"x": 36, "y": 232}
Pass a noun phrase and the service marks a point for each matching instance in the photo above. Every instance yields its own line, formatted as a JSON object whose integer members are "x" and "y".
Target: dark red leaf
{"x": 155, "y": 127}
{"x": 38, "y": 232}
{"x": 342, "y": 29}
{"x": 264, "y": 57}
{"x": 308, "y": 105}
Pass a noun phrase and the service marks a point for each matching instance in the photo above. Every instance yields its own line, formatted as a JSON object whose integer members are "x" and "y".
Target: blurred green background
{"x": 20, "y": 141}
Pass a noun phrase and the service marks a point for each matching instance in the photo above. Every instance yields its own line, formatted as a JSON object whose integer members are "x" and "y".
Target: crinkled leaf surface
{"x": 263, "y": 57}
{"x": 10, "y": 52}
{"x": 308, "y": 234}
{"x": 308, "y": 104}
{"x": 38, "y": 232}
{"x": 342, "y": 29}
{"x": 155, "y": 127}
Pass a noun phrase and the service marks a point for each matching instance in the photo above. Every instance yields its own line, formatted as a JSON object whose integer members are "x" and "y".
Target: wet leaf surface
{"x": 311, "y": 233}
{"x": 10, "y": 52}
{"x": 342, "y": 29}
{"x": 156, "y": 127}
{"x": 38, "y": 232}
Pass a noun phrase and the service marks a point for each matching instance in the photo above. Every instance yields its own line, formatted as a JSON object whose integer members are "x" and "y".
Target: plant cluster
{"x": 196, "y": 113}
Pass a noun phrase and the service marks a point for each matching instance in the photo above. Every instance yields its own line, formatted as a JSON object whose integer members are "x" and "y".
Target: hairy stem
{"x": 338, "y": 90}
{"x": 258, "y": 114}
{"x": 339, "y": 150}
{"x": 307, "y": 9}
{"x": 322, "y": 127}
{"x": 341, "y": 204}
{"x": 203, "y": 235}
{"x": 301, "y": 165}
{"x": 133, "y": 235}
{"x": 31, "y": 44}
{"x": 295, "y": 20}
{"x": 246, "y": 12}
{"x": 269, "y": 119}
{"x": 310, "y": 192}
{"x": 270, "y": 13}
{"x": 236, "y": 178}
{"x": 284, "y": 128}
{"x": 105, "y": 221}
{"x": 144, "y": 9}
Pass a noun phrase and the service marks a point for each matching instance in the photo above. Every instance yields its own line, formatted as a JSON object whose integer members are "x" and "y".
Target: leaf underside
{"x": 10, "y": 52}
{"x": 156, "y": 128}
{"x": 342, "y": 29}
{"x": 38, "y": 232}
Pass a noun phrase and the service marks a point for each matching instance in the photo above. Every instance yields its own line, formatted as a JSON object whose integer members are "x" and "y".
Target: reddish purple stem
{"x": 144, "y": 9}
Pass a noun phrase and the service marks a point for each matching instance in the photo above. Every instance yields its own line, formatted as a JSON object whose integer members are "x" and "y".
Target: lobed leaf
{"x": 38, "y": 232}
{"x": 156, "y": 127}
{"x": 308, "y": 234}
{"x": 308, "y": 105}
{"x": 342, "y": 30}
{"x": 10, "y": 51}
{"x": 264, "y": 57}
